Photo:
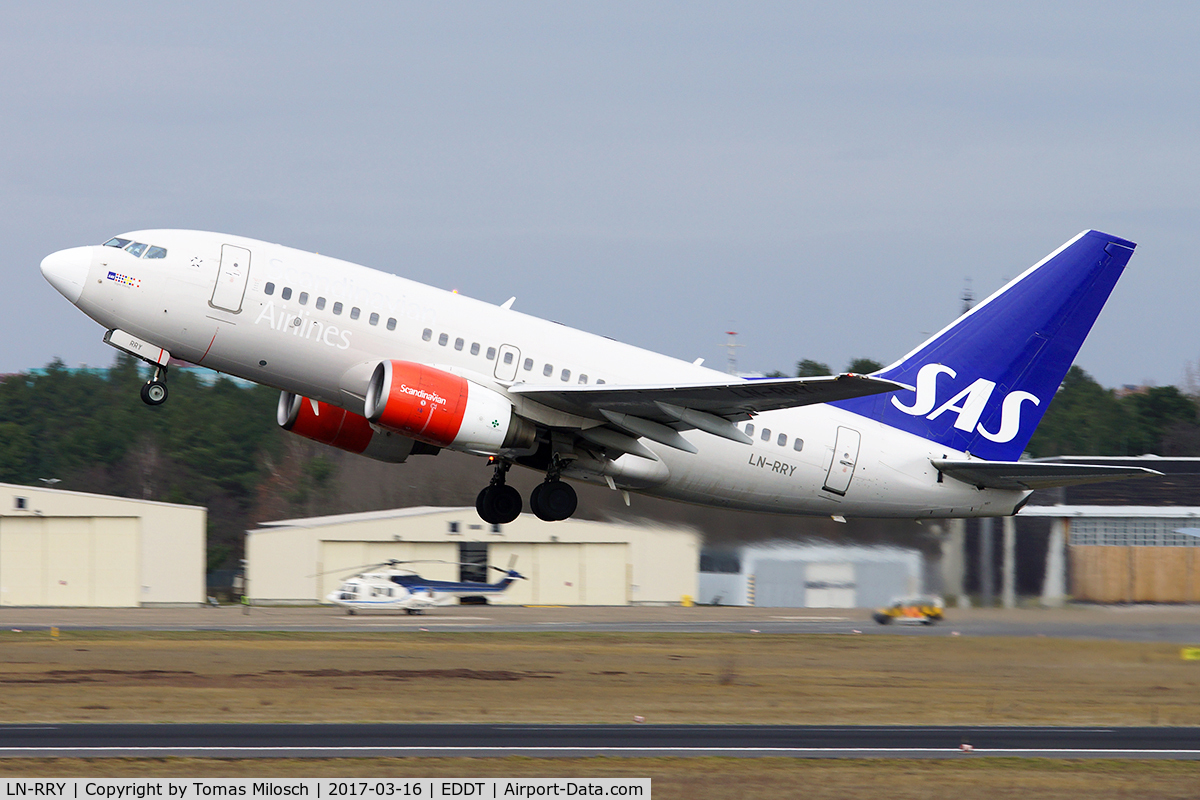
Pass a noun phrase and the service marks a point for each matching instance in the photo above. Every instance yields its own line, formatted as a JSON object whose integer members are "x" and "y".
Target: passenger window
{"x": 156, "y": 252}
{"x": 566, "y": 375}
{"x": 474, "y": 348}
{"x": 136, "y": 249}
{"x": 491, "y": 353}
{"x": 443, "y": 339}
{"x": 508, "y": 357}
{"x": 337, "y": 308}
{"x": 427, "y": 334}
{"x": 373, "y": 319}
{"x": 766, "y": 434}
{"x": 391, "y": 323}
{"x": 117, "y": 242}
{"x": 528, "y": 364}
{"x": 320, "y": 304}
{"x": 548, "y": 370}
{"x": 354, "y": 312}
{"x": 583, "y": 378}
{"x": 749, "y": 428}
{"x": 782, "y": 441}
{"x": 286, "y": 293}
{"x": 458, "y": 344}
{"x": 269, "y": 288}
{"x": 799, "y": 445}
{"x": 303, "y": 298}
{"x": 599, "y": 381}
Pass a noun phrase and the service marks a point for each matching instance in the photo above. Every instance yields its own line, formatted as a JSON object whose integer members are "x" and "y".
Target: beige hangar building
{"x": 60, "y": 548}
{"x": 574, "y": 562}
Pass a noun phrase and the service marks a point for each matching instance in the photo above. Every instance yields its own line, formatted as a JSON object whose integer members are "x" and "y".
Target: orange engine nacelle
{"x": 443, "y": 409}
{"x": 340, "y": 428}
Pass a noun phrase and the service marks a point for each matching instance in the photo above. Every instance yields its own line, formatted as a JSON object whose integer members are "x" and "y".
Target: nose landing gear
{"x": 154, "y": 391}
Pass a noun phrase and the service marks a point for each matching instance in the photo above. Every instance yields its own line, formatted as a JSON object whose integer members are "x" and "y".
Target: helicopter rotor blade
{"x": 512, "y": 563}
{"x": 349, "y": 569}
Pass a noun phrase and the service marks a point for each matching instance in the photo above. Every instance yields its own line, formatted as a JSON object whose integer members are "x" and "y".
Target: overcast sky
{"x": 822, "y": 178}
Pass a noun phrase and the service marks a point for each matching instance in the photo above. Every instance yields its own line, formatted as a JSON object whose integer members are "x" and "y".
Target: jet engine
{"x": 340, "y": 428}
{"x": 443, "y": 409}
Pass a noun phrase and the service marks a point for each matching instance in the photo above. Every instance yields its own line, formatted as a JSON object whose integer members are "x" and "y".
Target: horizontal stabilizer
{"x": 1023, "y": 475}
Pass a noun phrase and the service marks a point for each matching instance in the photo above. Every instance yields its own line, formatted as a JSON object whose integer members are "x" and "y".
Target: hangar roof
{"x": 364, "y": 516}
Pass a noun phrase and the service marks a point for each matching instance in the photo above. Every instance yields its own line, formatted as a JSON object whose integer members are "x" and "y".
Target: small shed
{"x": 574, "y": 562}
{"x": 809, "y": 575}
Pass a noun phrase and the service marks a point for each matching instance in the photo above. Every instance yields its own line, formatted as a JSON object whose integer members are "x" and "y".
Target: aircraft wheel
{"x": 154, "y": 393}
{"x": 498, "y": 504}
{"x": 535, "y": 504}
{"x": 482, "y": 505}
{"x": 553, "y": 501}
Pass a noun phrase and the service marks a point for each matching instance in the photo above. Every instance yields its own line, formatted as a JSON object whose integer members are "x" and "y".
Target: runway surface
{"x": 1179, "y": 624}
{"x": 349, "y": 741}
{"x": 1129, "y": 623}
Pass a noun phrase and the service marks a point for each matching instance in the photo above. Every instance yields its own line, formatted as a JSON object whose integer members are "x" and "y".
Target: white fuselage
{"x": 193, "y": 304}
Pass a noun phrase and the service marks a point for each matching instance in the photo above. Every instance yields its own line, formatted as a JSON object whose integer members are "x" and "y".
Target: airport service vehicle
{"x": 385, "y": 366}
{"x": 389, "y": 586}
{"x": 926, "y": 609}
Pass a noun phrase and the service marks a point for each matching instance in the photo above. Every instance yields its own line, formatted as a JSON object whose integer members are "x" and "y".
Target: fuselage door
{"x": 845, "y": 457}
{"x": 506, "y": 363}
{"x": 231, "y": 278}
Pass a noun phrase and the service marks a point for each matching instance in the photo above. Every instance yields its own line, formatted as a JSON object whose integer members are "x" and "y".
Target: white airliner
{"x": 387, "y": 367}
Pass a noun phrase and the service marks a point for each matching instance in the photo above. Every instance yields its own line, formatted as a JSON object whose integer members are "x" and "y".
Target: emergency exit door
{"x": 845, "y": 457}
{"x": 231, "y": 278}
{"x": 506, "y": 362}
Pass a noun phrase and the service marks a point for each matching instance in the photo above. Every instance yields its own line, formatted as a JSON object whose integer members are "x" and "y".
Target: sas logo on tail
{"x": 968, "y": 405}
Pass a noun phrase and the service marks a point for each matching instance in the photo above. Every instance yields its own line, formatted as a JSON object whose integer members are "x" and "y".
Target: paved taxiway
{"x": 574, "y": 741}
{"x": 1180, "y": 624}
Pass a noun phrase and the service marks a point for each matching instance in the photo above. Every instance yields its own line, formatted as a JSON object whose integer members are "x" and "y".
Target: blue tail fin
{"x": 983, "y": 383}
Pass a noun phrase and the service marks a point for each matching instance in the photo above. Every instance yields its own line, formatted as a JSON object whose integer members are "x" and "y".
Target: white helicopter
{"x": 390, "y": 586}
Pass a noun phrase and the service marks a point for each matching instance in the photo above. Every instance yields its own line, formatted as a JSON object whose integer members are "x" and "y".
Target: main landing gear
{"x": 553, "y": 500}
{"x": 499, "y": 503}
{"x": 154, "y": 391}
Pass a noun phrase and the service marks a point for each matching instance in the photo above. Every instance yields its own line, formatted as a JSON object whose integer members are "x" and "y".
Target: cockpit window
{"x": 137, "y": 249}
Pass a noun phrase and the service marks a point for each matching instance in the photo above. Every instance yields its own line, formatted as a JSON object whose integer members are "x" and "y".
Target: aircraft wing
{"x": 1021, "y": 475}
{"x": 733, "y": 399}
{"x": 660, "y": 411}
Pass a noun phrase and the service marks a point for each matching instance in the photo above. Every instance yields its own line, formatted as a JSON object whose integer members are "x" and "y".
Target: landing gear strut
{"x": 498, "y": 503}
{"x": 553, "y": 500}
{"x": 154, "y": 391}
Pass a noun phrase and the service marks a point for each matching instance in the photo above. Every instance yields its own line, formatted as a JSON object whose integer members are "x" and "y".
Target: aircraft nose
{"x": 67, "y": 271}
